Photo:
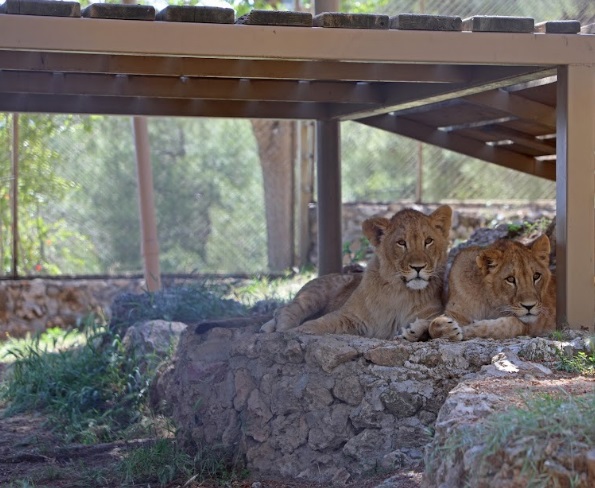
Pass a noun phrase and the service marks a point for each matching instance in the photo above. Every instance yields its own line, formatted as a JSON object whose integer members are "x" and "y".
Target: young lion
{"x": 402, "y": 283}
{"x": 501, "y": 291}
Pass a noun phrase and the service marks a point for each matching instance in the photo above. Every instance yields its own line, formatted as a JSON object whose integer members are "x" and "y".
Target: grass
{"x": 530, "y": 435}
{"x": 581, "y": 363}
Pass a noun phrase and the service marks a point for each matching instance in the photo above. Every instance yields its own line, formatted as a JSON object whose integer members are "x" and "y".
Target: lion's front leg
{"x": 416, "y": 331}
{"x": 332, "y": 323}
{"x": 500, "y": 328}
{"x": 445, "y": 327}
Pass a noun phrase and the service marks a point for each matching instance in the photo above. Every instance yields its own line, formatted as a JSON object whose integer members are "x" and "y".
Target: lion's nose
{"x": 417, "y": 268}
{"x": 528, "y": 306}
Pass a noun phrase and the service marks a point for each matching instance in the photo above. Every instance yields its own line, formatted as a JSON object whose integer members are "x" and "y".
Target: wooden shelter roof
{"x": 496, "y": 88}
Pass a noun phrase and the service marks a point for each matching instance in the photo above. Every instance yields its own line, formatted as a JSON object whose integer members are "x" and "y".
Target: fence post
{"x": 14, "y": 207}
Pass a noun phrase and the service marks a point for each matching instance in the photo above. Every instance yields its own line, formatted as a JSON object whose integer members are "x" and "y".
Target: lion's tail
{"x": 231, "y": 323}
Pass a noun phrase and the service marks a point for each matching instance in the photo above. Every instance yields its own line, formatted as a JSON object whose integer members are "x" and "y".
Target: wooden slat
{"x": 462, "y": 145}
{"x": 232, "y": 68}
{"x": 163, "y": 107}
{"x": 523, "y": 143}
{"x": 403, "y": 98}
{"x": 192, "y": 88}
{"x": 517, "y": 105}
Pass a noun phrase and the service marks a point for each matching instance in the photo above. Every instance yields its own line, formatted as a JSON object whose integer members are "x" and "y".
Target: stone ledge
{"x": 323, "y": 408}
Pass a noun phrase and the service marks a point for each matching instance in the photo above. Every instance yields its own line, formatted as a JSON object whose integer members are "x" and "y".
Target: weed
{"x": 91, "y": 392}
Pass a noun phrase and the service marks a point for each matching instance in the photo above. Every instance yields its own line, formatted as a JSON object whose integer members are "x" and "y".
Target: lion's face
{"x": 411, "y": 247}
{"x": 516, "y": 277}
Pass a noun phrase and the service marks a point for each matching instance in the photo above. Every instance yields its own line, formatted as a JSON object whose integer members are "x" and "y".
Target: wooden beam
{"x": 498, "y": 133}
{"x": 575, "y": 189}
{"x": 328, "y": 177}
{"x": 462, "y": 145}
{"x": 29, "y": 32}
{"x": 171, "y": 107}
{"x": 516, "y": 105}
{"x": 183, "y": 87}
{"x": 231, "y": 68}
{"x": 411, "y": 96}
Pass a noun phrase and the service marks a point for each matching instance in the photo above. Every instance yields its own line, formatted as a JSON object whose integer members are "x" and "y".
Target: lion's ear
{"x": 488, "y": 259}
{"x": 442, "y": 219}
{"x": 374, "y": 229}
{"x": 541, "y": 249}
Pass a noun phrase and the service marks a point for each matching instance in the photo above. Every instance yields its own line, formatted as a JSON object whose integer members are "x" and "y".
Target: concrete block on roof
{"x": 187, "y": 13}
{"x": 486, "y": 23}
{"x": 426, "y": 22}
{"x": 351, "y": 21}
{"x": 116, "y": 11}
{"x": 276, "y": 17}
{"x": 559, "y": 27}
{"x": 41, "y": 7}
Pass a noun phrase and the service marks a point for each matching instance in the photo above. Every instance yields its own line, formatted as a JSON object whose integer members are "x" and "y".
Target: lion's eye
{"x": 401, "y": 243}
{"x": 429, "y": 241}
{"x": 536, "y": 276}
{"x": 511, "y": 279}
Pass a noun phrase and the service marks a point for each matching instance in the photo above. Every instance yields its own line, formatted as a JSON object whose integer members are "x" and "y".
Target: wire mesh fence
{"x": 78, "y": 193}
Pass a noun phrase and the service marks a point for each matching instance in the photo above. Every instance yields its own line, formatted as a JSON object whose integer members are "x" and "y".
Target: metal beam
{"x": 328, "y": 177}
{"x": 231, "y": 68}
{"x": 575, "y": 221}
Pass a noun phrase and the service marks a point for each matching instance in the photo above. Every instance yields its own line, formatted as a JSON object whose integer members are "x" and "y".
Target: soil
{"x": 32, "y": 455}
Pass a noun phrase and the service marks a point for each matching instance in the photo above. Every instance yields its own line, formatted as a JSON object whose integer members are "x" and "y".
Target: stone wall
{"x": 30, "y": 306}
{"x": 326, "y": 408}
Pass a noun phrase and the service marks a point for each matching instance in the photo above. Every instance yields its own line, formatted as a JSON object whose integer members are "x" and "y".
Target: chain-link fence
{"x": 78, "y": 196}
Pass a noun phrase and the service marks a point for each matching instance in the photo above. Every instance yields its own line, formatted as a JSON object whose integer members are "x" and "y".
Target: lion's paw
{"x": 444, "y": 327}
{"x": 416, "y": 330}
{"x": 269, "y": 326}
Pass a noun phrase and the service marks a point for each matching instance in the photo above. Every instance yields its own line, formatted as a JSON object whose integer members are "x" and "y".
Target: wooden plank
{"x": 522, "y": 143}
{"x": 575, "y": 189}
{"x": 559, "y": 27}
{"x": 232, "y": 68}
{"x": 488, "y": 23}
{"x": 191, "y": 88}
{"x": 188, "y": 13}
{"x": 328, "y": 179}
{"x": 516, "y": 105}
{"x": 41, "y": 7}
{"x": 462, "y": 145}
{"x": 426, "y": 22}
{"x": 28, "y": 32}
{"x": 117, "y": 11}
{"x": 276, "y": 17}
{"x": 340, "y": 20}
{"x": 170, "y": 107}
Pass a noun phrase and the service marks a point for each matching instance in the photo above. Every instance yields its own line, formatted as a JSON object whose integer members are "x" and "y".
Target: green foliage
{"x": 91, "y": 392}
{"x": 46, "y": 244}
{"x": 581, "y": 363}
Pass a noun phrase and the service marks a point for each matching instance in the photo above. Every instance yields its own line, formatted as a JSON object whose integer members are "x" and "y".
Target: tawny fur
{"x": 501, "y": 291}
{"x": 402, "y": 283}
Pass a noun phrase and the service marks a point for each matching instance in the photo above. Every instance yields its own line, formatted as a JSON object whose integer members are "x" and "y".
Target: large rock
{"x": 324, "y": 408}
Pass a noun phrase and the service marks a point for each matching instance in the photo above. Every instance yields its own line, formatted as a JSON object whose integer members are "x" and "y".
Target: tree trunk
{"x": 276, "y": 151}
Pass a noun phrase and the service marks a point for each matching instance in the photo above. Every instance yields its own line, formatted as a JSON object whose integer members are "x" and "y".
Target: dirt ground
{"x": 32, "y": 456}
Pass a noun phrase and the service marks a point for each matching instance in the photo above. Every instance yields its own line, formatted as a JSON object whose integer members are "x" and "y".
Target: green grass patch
{"x": 530, "y": 434}
{"x": 165, "y": 462}
{"x": 580, "y": 363}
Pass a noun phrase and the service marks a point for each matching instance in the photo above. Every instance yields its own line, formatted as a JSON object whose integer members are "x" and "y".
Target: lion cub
{"x": 501, "y": 291}
{"x": 402, "y": 283}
